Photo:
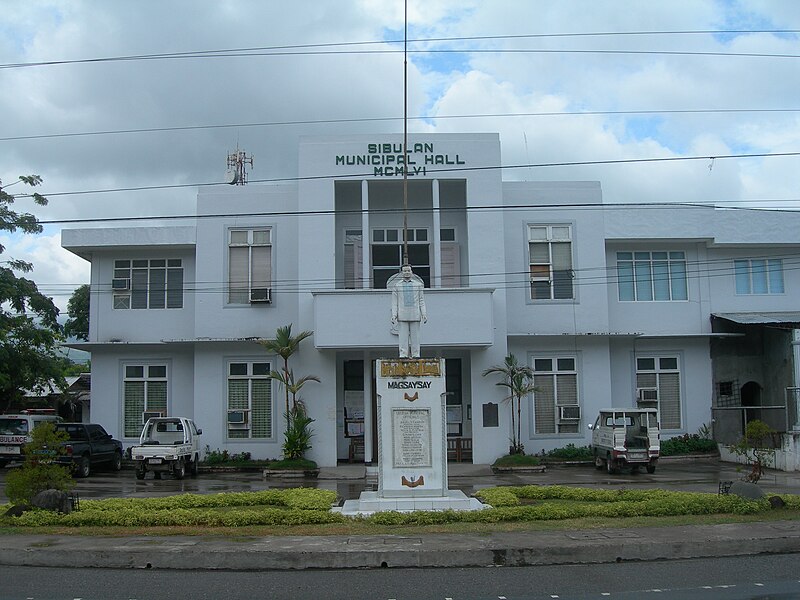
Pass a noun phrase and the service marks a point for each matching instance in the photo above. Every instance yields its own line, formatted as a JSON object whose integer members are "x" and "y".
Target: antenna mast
{"x": 237, "y": 167}
{"x": 405, "y": 134}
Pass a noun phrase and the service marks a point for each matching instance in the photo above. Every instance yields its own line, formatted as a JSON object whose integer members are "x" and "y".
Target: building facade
{"x": 666, "y": 306}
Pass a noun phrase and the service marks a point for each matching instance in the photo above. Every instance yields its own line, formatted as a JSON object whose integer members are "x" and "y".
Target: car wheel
{"x": 611, "y": 467}
{"x": 651, "y": 469}
{"x": 3, "y": 463}
{"x": 140, "y": 472}
{"x": 598, "y": 462}
{"x": 193, "y": 467}
{"x": 116, "y": 462}
{"x": 180, "y": 469}
{"x": 84, "y": 467}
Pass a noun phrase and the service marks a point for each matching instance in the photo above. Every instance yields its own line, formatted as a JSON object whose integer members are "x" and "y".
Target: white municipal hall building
{"x": 689, "y": 309}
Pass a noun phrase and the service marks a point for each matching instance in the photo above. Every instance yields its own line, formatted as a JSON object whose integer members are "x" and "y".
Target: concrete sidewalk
{"x": 434, "y": 550}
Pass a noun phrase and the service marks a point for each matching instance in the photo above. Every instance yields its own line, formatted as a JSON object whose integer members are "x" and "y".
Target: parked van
{"x": 626, "y": 437}
{"x": 15, "y": 432}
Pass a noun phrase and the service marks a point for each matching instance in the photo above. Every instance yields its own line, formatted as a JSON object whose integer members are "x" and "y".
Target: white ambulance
{"x": 15, "y": 432}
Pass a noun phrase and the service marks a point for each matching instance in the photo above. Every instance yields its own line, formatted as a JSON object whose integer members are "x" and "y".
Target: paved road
{"x": 707, "y": 579}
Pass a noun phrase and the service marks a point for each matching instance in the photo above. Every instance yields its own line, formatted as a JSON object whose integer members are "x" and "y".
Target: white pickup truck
{"x": 626, "y": 437}
{"x": 167, "y": 445}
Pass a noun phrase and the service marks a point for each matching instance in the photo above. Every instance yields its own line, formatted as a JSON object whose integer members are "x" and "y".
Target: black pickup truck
{"x": 89, "y": 445}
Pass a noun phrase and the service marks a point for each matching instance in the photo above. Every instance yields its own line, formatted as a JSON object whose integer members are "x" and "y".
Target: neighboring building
{"x": 684, "y": 308}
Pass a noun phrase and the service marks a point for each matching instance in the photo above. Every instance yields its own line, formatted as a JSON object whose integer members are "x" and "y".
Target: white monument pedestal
{"x": 412, "y": 442}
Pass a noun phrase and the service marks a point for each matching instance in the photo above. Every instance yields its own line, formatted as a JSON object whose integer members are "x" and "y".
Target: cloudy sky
{"x": 124, "y": 108}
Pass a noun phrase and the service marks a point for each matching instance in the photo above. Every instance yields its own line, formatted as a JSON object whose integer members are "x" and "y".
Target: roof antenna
{"x": 237, "y": 167}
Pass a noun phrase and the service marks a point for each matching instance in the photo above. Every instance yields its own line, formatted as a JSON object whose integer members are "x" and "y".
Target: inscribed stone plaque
{"x": 411, "y": 437}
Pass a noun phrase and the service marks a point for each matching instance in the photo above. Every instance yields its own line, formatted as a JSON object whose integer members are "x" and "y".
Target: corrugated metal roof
{"x": 789, "y": 319}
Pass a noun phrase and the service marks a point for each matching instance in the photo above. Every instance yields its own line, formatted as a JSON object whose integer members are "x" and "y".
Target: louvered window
{"x": 250, "y": 399}
{"x": 556, "y": 381}
{"x": 144, "y": 390}
{"x": 663, "y": 374}
{"x": 249, "y": 265}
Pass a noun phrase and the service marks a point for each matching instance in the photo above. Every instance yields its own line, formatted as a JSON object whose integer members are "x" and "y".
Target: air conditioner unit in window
{"x": 150, "y": 414}
{"x": 238, "y": 417}
{"x": 569, "y": 413}
{"x": 647, "y": 394}
{"x": 120, "y": 284}
{"x": 260, "y": 295}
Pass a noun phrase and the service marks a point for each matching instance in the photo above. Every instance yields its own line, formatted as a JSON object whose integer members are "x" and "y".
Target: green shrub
{"x": 571, "y": 452}
{"x": 496, "y": 497}
{"x": 517, "y": 460}
{"x": 223, "y": 457}
{"x": 687, "y": 444}
{"x": 38, "y": 471}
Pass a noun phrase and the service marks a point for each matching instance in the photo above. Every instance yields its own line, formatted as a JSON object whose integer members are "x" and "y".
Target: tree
{"x": 29, "y": 330}
{"x": 757, "y": 447}
{"x": 518, "y": 380}
{"x": 77, "y": 325}
{"x": 284, "y": 345}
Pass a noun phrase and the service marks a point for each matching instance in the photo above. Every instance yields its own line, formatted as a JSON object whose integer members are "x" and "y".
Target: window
{"x": 144, "y": 390}
{"x": 759, "y": 276}
{"x": 662, "y": 374}
{"x": 550, "y": 258}
{"x": 387, "y": 255}
{"x": 249, "y": 265}
{"x": 646, "y": 276}
{"x": 249, "y": 400}
{"x": 556, "y": 382}
{"x": 143, "y": 283}
{"x": 353, "y": 259}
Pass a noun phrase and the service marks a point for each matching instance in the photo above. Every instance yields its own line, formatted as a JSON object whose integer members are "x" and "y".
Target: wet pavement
{"x": 349, "y": 480}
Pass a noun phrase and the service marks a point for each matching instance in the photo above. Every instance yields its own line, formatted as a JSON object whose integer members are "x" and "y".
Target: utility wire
{"x": 389, "y": 119}
{"x": 430, "y": 171}
{"x": 316, "y": 49}
{"x": 486, "y": 208}
{"x": 583, "y": 278}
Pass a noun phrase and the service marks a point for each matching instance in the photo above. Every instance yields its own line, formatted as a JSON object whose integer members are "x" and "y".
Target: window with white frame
{"x": 249, "y": 265}
{"x": 144, "y": 395}
{"x": 649, "y": 276}
{"x": 556, "y": 405}
{"x": 387, "y": 255}
{"x": 249, "y": 403}
{"x": 658, "y": 379}
{"x": 758, "y": 276}
{"x": 148, "y": 283}
{"x": 550, "y": 260}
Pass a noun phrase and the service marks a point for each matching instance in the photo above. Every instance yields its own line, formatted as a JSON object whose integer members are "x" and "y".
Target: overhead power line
{"x": 432, "y": 171}
{"x": 389, "y": 119}
{"x": 327, "y": 48}
{"x": 604, "y": 275}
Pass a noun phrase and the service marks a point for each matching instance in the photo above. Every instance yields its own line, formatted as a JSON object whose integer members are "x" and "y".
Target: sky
{"x": 124, "y": 108}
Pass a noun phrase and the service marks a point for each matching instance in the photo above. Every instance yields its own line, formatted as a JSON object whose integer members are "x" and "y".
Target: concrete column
{"x": 365, "y": 238}
{"x": 436, "y": 278}
{"x": 368, "y": 432}
{"x": 796, "y": 377}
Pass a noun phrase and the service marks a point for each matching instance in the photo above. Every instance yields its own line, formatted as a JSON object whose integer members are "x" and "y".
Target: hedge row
{"x": 302, "y": 506}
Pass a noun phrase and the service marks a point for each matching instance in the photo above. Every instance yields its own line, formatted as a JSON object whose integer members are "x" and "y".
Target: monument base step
{"x": 369, "y": 503}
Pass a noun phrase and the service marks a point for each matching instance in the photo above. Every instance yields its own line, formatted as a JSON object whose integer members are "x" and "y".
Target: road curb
{"x": 387, "y": 551}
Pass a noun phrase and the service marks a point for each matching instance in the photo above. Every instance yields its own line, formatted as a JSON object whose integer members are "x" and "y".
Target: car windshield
{"x": 13, "y": 426}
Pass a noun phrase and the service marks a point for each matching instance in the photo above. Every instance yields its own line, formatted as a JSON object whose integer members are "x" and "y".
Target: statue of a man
{"x": 408, "y": 309}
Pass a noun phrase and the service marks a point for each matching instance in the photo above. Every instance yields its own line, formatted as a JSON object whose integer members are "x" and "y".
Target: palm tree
{"x": 284, "y": 345}
{"x": 518, "y": 379}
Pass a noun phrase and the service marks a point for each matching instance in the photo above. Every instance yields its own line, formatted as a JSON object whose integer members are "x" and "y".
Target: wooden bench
{"x": 459, "y": 449}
